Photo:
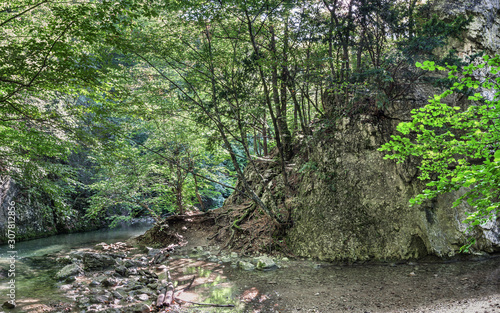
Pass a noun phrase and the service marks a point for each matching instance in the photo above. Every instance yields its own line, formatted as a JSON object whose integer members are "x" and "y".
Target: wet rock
{"x": 145, "y": 291}
{"x": 94, "y": 283}
{"x": 153, "y": 252}
{"x": 265, "y": 263}
{"x": 97, "y": 261}
{"x": 99, "y": 299}
{"x": 213, "y": 259}
{"x": 76, "y": 255}
{"x": 65, "y": 260}
{"x": 134, "y": 263}
{"x": 143, "y": 297}
{"x": 109, "y": 282}
{"x": 69, "y": 270}
{"x": 70, "y": 279}
{"x": 147, "y": 273}
{"x": 137, "y": 308}
{"x": 77, "y": 285}
{"x": 197, "y": 250}
{"x": 101, "y": 246}
{"x": 122, "y": 270}
{"x": 83, "y": 300}
{"x": 95, "y": 308}
{"x": 118, "y": 294}
{"x": 246, "y": 266}
{"x": 132, "y": 271}
{"x": 133, "y": 286}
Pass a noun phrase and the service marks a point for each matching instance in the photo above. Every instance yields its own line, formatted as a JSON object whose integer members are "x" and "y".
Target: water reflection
{"x": 204, "y": 282}
{"x": 65, "y": 242}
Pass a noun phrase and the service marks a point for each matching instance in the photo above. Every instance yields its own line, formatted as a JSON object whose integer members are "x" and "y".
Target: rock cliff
{"x": 351, "y": 204}
{"x": 35, "y": 217}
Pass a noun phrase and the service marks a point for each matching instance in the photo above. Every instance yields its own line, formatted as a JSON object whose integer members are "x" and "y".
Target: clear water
{"x": 65, "y": 242}
{"x": 35, "y": 266}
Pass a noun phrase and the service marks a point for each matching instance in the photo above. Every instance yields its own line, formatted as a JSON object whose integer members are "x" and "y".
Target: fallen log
{"x": 161, "y": 298}
{"x": 169, "y": 292}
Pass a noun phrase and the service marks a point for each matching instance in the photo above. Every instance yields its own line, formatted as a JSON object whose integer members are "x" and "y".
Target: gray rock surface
{"x": 68, "y": 271}
{"x": 265, "y": 263}
{"x": 246, "y": 266}
{"x": 97, "y": 261}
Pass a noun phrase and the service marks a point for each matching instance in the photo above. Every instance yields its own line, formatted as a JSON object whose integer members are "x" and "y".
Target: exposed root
{"x": 246, "y": 229}
{"x": 242, "y": 228}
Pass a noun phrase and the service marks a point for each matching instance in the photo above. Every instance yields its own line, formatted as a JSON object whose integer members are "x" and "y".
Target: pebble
{"x": 143, "y": 297}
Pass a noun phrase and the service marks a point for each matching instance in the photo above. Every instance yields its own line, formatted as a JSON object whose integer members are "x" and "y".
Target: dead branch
{"x": 207, "y": 304}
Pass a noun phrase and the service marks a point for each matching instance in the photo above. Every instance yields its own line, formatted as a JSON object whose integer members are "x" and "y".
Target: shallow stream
{"x": 298, "y": 286}
{"x": 35, "y": 266}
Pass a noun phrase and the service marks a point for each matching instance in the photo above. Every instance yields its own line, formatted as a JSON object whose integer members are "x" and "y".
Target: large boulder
{"x": 93, "y": 261}
{"x": 355, "y": 206}
{"x": 246, "y": 266}
{"x": 265, "y": 263}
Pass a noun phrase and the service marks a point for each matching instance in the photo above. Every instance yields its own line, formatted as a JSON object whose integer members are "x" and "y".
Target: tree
{"x": 157, "y": 160}
{"x": 54, "y": 71}
{"x": 459, "y": 146}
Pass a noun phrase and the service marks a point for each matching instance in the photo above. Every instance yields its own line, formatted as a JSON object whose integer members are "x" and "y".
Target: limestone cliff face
{"x": 353, "y": 205}
{"x": 483, "y": 33}
{"x": 35, "y": 217}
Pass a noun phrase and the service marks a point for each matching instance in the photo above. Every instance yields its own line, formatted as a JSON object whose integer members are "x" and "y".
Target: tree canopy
{"x": 170, "y": 100}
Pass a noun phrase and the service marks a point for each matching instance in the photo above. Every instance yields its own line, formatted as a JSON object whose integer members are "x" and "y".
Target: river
{"x": 35, "y": 286}
{"x": 297, "y": 286}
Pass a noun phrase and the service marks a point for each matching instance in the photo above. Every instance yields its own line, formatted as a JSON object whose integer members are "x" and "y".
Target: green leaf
{"x": 497, "y": 156}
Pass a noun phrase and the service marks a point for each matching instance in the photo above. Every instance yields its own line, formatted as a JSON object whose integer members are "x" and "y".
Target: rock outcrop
{"x": 35, "y": 216}
{"x": 350, "y": 204}
{"x": 354, "y": 205}
{"x": 483, "y": 33}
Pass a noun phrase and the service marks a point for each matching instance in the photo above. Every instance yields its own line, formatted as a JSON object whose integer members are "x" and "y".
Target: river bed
{"x": 295, "y": 286}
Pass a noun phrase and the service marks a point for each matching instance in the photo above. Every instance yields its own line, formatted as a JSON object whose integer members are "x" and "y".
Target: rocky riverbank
{"x": 121, "y": 278}
{"x": 125, "y": 277}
